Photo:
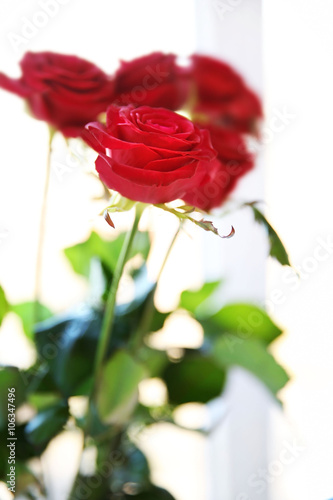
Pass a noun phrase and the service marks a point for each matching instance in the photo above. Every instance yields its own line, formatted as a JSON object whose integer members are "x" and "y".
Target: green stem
{"x": 41, "y": 237}
{"x": 168, "y": 252}
{"x": 149, "y": 307}
{"x": 105, "y": 336}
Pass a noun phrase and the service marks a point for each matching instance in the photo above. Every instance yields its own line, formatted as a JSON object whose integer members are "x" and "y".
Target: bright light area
{"x": 152, "y": 392}
{"x": 298, "y": 47}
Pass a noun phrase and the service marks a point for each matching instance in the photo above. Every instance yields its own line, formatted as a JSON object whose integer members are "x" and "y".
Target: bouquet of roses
{"x": 170, "y": 137}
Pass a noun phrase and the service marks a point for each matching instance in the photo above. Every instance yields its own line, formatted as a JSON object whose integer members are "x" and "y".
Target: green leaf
{"x": 27, "y": 311}
{"x": 192, "y": 300}
{"x": 154, "y": 360}
{"x": 90, "y": 487}
{"x": 121, "y": 467}
{"x": 92, "y": 422}
{"x": 143, "y": 289}
{"x": 81, "y": 254}
{"x": 132, "y": 467}
{"x": 117, "y": 393}
{"x": 28, "y": 485}
{"x": 10, "y": 378}
{"x": 144, "y": 416}
{"x": 107, "y": 251}
{"x": 254, "y": 357}
{"x": 153, "y": 493}
{"x": 196, "y": 378}
{"x": 4, "y": 306}
{"x": 43, "y": 400}
{"x": 140, "y": 312}
{"x": 66, "y": 344}
{"x": 157, "y": 320}
{"x": 247, "y": 321}
{"x": 277, "y": 249}
{"x": 47, "y": 424}
{"x": 38, "y": 379}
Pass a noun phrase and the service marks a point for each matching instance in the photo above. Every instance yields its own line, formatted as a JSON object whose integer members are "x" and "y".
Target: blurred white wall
{"x": 238, "y": 446}
{"x": 298, "y": 48}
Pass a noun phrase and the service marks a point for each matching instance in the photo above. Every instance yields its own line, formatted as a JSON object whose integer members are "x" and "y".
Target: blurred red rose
{"x": 152, "y": 155}
{"x": 232, "y": 162}
{"x": 151, "y": 80}
{"x": 65, "y": 91}
{"x": 222, "y": 97}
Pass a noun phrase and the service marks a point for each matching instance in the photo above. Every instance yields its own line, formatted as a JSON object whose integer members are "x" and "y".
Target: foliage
{"x": 234, "y": 335}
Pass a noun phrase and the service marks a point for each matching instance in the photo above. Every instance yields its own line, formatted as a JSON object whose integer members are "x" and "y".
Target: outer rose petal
{"x": 148, "y": 189}
{"x": 16, "y": 86}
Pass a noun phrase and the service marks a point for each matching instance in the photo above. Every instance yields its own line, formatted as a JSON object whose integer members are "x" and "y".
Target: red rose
{"x": 151, "y": 80}
{"x": 65, "y": 91}
{"x": 232, "y": 162}
{"x": 151, "y": 155}
{"x": 222, "y": 95}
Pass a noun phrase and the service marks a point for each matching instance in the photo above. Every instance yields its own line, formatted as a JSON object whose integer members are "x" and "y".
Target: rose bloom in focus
{"x": 152, "y": 155}
{"x": 63, "y": 90}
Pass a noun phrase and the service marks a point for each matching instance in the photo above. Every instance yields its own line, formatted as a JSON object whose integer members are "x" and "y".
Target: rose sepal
{"x": 187, "y": 212}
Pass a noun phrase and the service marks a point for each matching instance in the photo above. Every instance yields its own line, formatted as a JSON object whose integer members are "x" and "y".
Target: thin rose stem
{"x": 148, "y": 310}
{"x": 168, "y": 253}
{"x": 41, "y": 236}
{"x": 106, "y": 331}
